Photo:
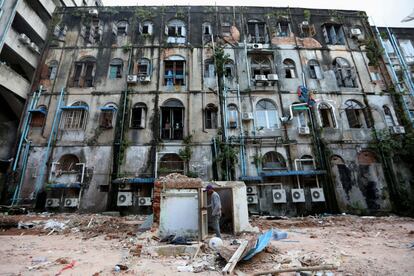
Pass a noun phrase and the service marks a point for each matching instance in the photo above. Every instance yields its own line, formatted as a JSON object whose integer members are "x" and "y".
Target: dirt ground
{"x": 95, "y": 244}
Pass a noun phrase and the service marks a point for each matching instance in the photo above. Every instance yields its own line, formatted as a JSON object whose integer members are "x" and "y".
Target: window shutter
{"x": 318, "y": 72}
{"x": 142, "y": 122}
{"x": 352, "y": 118}
{"x": 126, "y": 28}
{"x": 150, "y": 29}
{"x": 325, "y": 35}
{"x": 332, "y": 34}
{"x": 140, "y": 28}
{"x": 56, "y": 31}
{"x": 183, "y": 32}
{"x": 53, "y": 73}
{"x": 114, "y": 29}
{"x": 341, "y": 36}
{"x": 166, "y": 30}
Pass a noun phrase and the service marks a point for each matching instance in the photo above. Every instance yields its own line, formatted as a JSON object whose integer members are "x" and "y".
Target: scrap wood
{"x": 235, "y": 258}
{"x": 296, "y": 269}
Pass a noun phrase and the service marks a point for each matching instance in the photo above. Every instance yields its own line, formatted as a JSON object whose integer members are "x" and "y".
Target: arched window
{"x": 209, "y": 68}
{"x": 174, "y": 73}
{"x": 138, "y": 115}
{"x": 314, "y": 69}
{"x": 232, "y": 116}
{"x": 122, "y": 27}
{"x": 211, "y": 116}
{"x": 68, "y": 164}
{"x": 143, "y": 67}
{"x": 84, "y": 72}
{"x": 38, "y": 117}
{"x": 207, "y": 28}
{"x": 344, "y": 73}
{"x": 74, "y": 116}
{"x": 171, "y": 163}
{"x": 290, "y": 68}
{"x": 326, "y": 115}
{"x": 175, "y": 31}
{"x": 389, "y": 120}
{"x": 146, "y": 28}
{"x": 172, "y": 120}
{"x": 266, "y": 115}
{"x": 356, "y": 114}
{"x": 229, "y": 69}
{"x": 115, "y": 68}
{"x": 107, "y": 115}
{"x": 273, "y": 161}
{"x": 260, "y": 65}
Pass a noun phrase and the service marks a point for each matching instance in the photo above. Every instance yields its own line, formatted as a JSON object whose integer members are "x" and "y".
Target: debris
{"x": 296, "y": 269}
{"x": 90, "y": 223}
{"x": 25, "y": 225}
{"x": 62, "y": 261}
{"x": 120, "y": 267}
{"x": 56, "y": 225}
{"x": 147, "y": 224}
{"x": 39, "y": 260}
{"x": 262, "y": 242}
{"x": 215, "y": 243}
{"x": 69, "y": 266}
{"x": 185, "y": 268}
{"x": 228, "y": 269}
{"x": 279, "y": 235}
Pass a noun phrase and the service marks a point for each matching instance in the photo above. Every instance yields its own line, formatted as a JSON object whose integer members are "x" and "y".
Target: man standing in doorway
{"x": 216, "y": 209}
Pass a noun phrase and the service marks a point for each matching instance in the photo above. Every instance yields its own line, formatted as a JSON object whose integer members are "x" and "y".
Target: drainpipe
{"x": 52, "y": 136}
{"x": 16, "y": 195}
{"x": 242, "y": 161}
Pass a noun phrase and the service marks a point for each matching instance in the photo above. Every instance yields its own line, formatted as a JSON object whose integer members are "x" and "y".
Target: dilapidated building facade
{"x": 285, "y": 100}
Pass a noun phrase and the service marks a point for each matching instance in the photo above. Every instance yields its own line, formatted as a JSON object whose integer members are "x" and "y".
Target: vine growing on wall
{"x": 144, "y": 13}
{"x": 374, "y": 52}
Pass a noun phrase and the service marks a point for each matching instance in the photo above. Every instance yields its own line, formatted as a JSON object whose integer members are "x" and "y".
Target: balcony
{"x": 12, "y": 40}
{"x": 13, "y": 81}
{"x": 32, "y": 19}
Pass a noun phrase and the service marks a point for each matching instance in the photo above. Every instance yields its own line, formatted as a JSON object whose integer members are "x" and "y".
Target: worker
{"x": 216, "y": 209}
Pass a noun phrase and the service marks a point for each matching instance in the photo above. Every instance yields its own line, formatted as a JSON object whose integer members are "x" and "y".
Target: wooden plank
{"x": 228, "y": 269}
{"x": 296, "y": 269}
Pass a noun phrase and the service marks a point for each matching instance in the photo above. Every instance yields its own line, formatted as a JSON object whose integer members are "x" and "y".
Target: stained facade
{"x": 131, "y": 93}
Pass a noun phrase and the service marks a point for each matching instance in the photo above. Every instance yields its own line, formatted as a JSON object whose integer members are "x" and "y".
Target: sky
{"x": 383, "y": 12}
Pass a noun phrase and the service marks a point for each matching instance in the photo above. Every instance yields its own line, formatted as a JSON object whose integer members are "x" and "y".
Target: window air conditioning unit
{"x": 132, "y": 78}
{"x": 397, "y": 130}
{"x": 124, "y": 199}
{"x": 317, "y": 195}
{"x": 52, "y": 202}
{"x": 124, "y": 187}
{"x": 144, "y": 78}
{"x": 232, "y": 124}
{"x": 304, "y": 130}
{"x": 24, "y": 39}
{"x": 279, "y": 195}
{"x": 93, "y": 12}
{"x": 257, "y": 46}
{"x": 252, "y": 199}
{"x": 247, "y": 116}
{"x": 260, "y": 78}
{"x": 251, "y": 190}
{"x": 144, "y": 201}
{"x": 356, "y": 32}
{"x": 298, "y": 195}
{"x": 34, "y": 47}
{"x": 71, "y": 202}
{"x": 305, "y": 23}
{"x": 273, "y": 77}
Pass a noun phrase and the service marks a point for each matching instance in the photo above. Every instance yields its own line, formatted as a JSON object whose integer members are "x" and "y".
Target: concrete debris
{"x": 55, "y": 225}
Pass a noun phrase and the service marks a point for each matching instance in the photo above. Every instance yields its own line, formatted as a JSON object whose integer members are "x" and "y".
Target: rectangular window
{"x": 211, "y": 119}
{"x": 73, "y": 119}
{"x": 105, "y": 119}
{"x": 89, "y": 75}
{"x": 142, "y": 69}
{"x": 225, "y": 29}
{"x": 353, "y": 117}
{"x": 333, "y": 34}
{"x": 283, "y": 29}
{"x": 174, "y": 73}
{"x": 115, "y": 71}
{"x": 77, "y": 76}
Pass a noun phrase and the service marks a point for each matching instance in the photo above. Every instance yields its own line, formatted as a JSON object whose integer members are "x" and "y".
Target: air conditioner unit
{"x": 124, "y": 199}
{"x": 144, "y": 201}
{"x": 132, "y": 78}
{"x": 279, "y": 195}
{"x": 298, "y": 195}
{"x": 305, "y": 23}
{"x": 32, "y": 46}
{"x": 397, "y": 130}
{"x": 246, "y": 116}
{"x": 71, "y": 202}
{"x": 257, "y": 46}
{"x": 273, "y": 77}
{"x": 304, "y": 130}
{"x": 317, "y": 195}
{"x": 252, "y": 199}
{"x": 356, "y": 32}
{"x": 24, "y": 39}
{"x": 144, "y": 78}
{"x": 52, "y": 202}
{"x": 93, "y": 12}
{"x": 260, "y": 78}
{"x": 251, "y": 190}
{"x": 124, "y": 187}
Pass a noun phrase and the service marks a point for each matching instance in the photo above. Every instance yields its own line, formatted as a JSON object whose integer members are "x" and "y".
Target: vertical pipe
{"x": 40, "y": 179}
{"x": 243, "y": 169}
{"x": 16, "y": 195}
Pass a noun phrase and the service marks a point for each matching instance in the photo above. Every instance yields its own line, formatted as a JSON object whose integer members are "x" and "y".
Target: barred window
{"x": 74, "y": 117}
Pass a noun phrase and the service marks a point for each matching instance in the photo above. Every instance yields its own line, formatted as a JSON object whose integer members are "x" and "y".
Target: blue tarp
{"x": 76, "y": 107}
{"x": 38, "y": 110}
{"x": 287, "y": 173}
{"x": 64, "y": 186}
{"x": 261, "y": 244}
{"x": 108, "y": 108}
{"x": 133, "y": 180}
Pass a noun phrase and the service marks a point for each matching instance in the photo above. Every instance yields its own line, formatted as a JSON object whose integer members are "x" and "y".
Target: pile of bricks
{"x": 171, "y": 181}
